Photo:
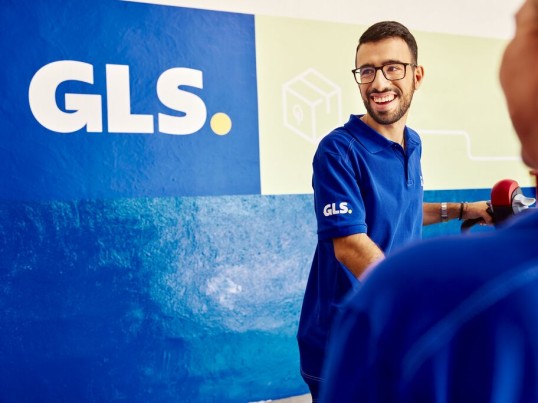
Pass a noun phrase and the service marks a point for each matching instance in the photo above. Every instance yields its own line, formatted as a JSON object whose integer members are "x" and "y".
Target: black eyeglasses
{"x": 391, "y": 71}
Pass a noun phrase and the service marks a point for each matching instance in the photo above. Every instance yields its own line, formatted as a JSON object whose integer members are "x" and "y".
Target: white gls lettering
{"x": 86, "y": 110}
{"x": 330, "y": 209}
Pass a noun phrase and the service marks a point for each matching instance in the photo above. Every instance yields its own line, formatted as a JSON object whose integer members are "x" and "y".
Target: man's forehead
{"x": 385, "y": 50}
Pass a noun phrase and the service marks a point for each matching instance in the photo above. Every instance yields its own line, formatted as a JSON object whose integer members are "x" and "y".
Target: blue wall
{"x": 152, "y": 300}
{"x": 88, "y": 87}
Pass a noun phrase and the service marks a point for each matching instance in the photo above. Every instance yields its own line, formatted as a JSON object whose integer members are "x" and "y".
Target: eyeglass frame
{"x": 382, "y": 71}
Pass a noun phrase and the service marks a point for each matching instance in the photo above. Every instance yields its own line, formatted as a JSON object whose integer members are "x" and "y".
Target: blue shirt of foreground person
{"x": 452, "y": 319}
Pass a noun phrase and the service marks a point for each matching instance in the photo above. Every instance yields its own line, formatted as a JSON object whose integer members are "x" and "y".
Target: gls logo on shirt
{"x": 85, "y": 110}
{"x": 330, "y": 209}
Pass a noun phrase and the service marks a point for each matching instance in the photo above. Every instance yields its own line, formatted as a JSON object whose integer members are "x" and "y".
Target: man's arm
{"x": 356, "y": 252}
{"x": 432, "y": 212}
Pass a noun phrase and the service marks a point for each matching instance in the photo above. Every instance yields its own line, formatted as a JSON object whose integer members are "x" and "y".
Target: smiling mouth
{"x": 382, "y": 99}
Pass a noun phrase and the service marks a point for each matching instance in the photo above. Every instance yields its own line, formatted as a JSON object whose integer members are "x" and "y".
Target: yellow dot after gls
{"x": 221, "y": 124}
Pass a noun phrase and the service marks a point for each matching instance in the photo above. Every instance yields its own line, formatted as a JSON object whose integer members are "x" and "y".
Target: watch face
{"x": 444, "y": 212}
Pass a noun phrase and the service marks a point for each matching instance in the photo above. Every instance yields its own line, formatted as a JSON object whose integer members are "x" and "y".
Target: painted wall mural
{"x": 156, "y": 217}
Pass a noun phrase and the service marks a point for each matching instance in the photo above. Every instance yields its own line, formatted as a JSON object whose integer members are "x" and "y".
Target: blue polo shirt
{"x": 363, "y": 183}
{"x": 448, "y": 320}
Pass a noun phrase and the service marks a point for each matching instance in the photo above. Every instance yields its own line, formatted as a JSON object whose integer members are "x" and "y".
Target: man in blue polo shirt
{"x": 453, "y": 319}
{"x": 368, "y": 187}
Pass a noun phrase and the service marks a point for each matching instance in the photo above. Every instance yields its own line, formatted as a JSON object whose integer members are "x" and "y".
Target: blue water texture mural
{"x": 152, "y": 300}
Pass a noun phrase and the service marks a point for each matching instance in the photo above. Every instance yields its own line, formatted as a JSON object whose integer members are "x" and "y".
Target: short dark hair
{"x": 389, "y": 29}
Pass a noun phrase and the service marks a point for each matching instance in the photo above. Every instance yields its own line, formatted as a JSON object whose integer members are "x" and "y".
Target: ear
{"x": 419, "y": 75}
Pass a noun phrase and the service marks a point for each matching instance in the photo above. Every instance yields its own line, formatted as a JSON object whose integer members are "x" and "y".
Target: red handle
{"x": 503, "y": 192}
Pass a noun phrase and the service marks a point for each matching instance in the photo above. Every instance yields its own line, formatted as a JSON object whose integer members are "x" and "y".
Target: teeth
{"x": 386, "y": 98}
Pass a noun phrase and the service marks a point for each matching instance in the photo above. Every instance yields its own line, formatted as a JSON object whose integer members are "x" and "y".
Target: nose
{"x": 379, "y": 80}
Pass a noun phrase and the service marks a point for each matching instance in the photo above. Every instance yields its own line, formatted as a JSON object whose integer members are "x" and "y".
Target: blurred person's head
{"x": 519, "y": 80}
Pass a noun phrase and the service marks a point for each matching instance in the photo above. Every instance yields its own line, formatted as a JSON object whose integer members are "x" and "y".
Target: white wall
{"x": 483, "y": 18}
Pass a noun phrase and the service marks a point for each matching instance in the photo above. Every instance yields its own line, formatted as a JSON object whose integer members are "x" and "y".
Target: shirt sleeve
{"x": 338, "y": 202}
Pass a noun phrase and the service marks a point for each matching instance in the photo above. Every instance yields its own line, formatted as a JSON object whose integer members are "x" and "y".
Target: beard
{"x": 389, "y": 117}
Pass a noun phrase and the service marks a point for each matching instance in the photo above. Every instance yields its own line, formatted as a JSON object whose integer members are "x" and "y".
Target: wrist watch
{"x": 444, "y": 212}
